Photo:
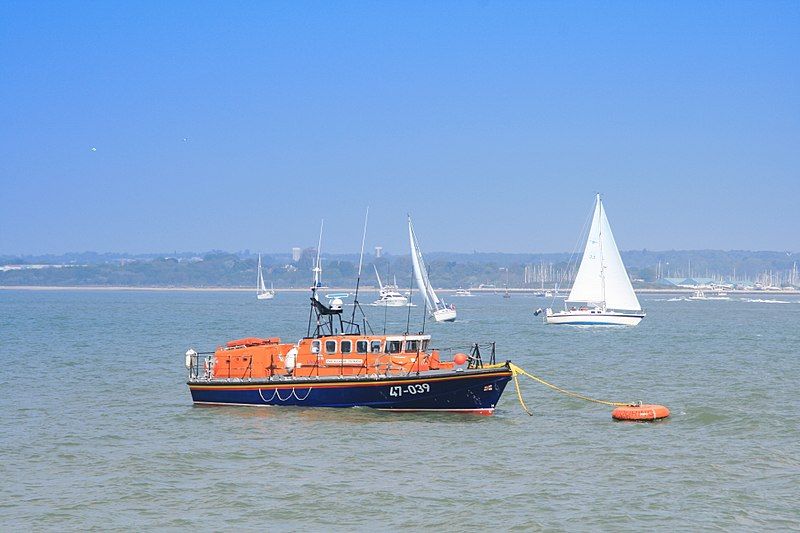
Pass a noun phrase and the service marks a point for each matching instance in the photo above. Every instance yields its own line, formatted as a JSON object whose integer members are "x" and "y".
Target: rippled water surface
{"x": 98, "y": 430}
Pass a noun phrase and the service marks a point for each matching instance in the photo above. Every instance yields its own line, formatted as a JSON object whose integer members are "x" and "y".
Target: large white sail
{"x": 421, "y": 273}
{"x": 602, "y": 279}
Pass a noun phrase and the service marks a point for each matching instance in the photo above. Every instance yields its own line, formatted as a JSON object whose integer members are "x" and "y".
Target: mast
{"x": 259, "y": 281}
{"x": 360, "y": 264}
{"x": 602, "y": 263}
{"x": 317, "y": 271}
{"x": 317, "y": 266}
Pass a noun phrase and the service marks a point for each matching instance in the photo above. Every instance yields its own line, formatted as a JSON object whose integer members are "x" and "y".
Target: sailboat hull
{"x": 265, "y": 296}
{"x": 589, "y": 318}
{"x": 445, "y": 315}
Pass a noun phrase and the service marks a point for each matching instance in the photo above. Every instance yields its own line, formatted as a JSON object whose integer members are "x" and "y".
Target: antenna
{"x": 363, "y": 239}
{"x": 317, "y": 267}
{"x": 317, "y": 271}
{"x": 360, "y": 263}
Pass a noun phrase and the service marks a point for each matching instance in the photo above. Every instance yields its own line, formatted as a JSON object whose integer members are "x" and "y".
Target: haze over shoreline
{"x": 6, "y": 257}
{"x": 647, "y": 269}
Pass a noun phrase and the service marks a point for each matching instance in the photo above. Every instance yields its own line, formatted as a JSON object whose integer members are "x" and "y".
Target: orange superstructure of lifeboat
{"x": 331, "y": 355}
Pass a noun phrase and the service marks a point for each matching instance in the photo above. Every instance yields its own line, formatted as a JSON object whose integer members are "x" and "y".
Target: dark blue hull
{"x": 469, "y": 391}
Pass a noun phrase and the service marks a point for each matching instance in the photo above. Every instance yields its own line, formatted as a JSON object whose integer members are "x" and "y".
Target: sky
{"x": 177, "y": 126}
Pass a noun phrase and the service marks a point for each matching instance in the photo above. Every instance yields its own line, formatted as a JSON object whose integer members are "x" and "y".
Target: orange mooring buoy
{"x": 644, "y": 413}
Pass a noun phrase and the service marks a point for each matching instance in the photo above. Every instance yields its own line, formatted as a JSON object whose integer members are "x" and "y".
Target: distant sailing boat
{"x": 438, "y": 309}
{"x": 261, "y": 290}
{"x": 602, "y": 286}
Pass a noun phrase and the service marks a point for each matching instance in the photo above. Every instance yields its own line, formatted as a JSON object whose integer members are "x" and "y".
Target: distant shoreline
{"x": 130, "y": 288}
{"x": 348, "y": 289}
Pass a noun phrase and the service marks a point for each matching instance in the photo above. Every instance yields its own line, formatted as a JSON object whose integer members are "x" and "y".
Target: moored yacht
{"x": 389, "y": 295}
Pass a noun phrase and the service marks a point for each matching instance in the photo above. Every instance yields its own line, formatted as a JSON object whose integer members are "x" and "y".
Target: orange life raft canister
{"x": 640, "y": 412}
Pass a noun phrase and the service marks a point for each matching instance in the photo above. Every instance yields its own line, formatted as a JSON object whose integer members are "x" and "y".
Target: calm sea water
{"x": 98, "y": 431}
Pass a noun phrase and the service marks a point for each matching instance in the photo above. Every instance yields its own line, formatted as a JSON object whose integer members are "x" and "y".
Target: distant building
{"x": 296, "y": 251}
{"x": 378, "y": 252}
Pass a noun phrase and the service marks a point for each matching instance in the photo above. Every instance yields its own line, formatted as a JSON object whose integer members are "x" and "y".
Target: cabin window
{"x": 411, "y": 346}
{"x": 425, "y": 345}
{"x": 375, "y": 347}
{"x": 361, "y": 346}
{"x": 315, "y": 346}
{"x": 347, "y": 346}
{"x": 393, "y": 346}
{"x": 330, "y": 346}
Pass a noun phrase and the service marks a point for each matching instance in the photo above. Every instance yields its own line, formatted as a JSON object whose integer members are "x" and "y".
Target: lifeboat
{"x": 338, "y": 365}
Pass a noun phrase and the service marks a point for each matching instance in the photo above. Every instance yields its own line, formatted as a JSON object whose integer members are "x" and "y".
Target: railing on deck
{"x": 202, "y": 364}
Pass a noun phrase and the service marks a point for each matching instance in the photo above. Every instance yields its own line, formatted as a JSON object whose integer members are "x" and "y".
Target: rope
{"x": 519, "y": 394}
{"x": 517, "y": 370}
{"x": 271, "y": 398}
{"x": 304, "y": 397}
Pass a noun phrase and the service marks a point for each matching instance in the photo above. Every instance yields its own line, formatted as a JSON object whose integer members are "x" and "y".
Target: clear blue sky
{"x": 493, "y": 123}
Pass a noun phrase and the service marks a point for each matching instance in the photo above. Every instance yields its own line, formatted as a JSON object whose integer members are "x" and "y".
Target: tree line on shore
{"x": 447, "y": 270}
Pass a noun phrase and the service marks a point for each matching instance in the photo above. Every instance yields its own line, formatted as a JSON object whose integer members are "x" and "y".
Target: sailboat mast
{"x": 602, "y": 263}
{"x": 258, "y": 280}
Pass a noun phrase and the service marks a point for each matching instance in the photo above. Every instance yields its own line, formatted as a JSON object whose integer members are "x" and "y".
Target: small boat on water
{"x": 439, "y": 310}
{"x": 342, "y": 363}
{"x": 261, "y": 290}
{"x": 602, "y": 293}
{"x": 720, "y": 294}
{"x": 700, "y": 295}
{"x": 389, "y": 295}
{"x": 462, "y": 292}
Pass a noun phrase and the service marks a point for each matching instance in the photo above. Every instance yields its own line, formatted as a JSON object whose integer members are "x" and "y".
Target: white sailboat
{"x": 440, "y": 311}
{"x": 261, "y": 290}
{"x": 390, "y": 295}
{"x": 602, "y": 289}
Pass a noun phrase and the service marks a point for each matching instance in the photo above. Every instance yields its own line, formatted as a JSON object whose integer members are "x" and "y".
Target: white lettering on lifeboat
{"x": 344, "y": 361}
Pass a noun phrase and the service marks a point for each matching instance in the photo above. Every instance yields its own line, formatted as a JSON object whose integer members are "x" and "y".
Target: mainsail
{"x": 602, "y": 279}
{"x": 261, "y": 287}
{"x": 421, "y": 273}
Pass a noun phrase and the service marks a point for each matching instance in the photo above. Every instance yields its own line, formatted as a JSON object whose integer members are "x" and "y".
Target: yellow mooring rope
{"x": 515, "y": 370}
{"x": 519, "y": 394}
